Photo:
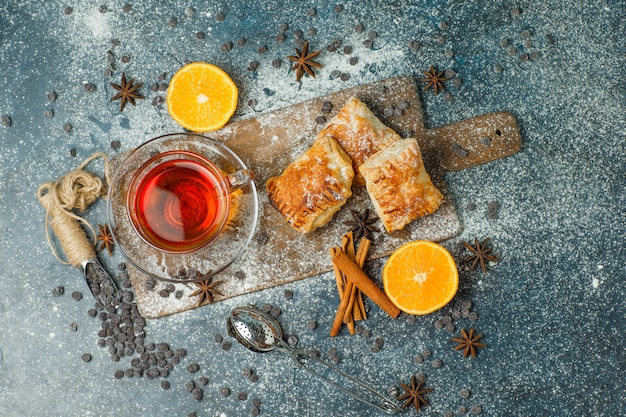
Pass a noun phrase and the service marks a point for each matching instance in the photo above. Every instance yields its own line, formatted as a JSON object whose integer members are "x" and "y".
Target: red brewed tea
{"x": 180, "y": 205}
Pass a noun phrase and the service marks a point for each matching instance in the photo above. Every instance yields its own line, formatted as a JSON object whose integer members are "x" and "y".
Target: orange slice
{"x": 420, "y": 277}
{"x": 201, "y": 97}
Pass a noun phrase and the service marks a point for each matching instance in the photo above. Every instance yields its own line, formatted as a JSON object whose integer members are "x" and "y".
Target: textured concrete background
{"x": 552, "y": 310}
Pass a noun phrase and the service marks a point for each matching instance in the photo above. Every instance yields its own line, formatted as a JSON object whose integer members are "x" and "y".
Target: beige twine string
{"x": 75, "y": 190}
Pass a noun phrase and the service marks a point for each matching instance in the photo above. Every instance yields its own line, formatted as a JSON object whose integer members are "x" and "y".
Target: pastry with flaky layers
{"x": 314, "y": 186}
{"x": 360, "y": 133}
{"x": 399, "y": 186}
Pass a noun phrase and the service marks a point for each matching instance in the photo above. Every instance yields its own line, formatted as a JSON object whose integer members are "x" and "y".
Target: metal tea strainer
{"x": 260, "y": 332}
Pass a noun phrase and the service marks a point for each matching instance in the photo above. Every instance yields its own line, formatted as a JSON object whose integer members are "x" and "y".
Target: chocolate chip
{"x": 86, "y": 357}
{"x": 418, "y": 359}
{"x": 368, "y": 43}
{"x": 73, "y": 326}
{"x": 465, "y": 393}
{"x": 473, "y": 316}
{"x": 48, "y": 114}
{"x": 504, "y": 42}
{"x": 203, "y": 380}
{"x": 219, "y": 17}
{"x": 224, "y": 391}
{"x": 459, "y": 151}
{"x": 190, "y": 386}
{"x": 6, "y": 121}
{"x": 164, "y": 293}
{"x": 193, "y": 368}
{"x": 311, "y": 32}
{"x": 515, "y": 12}
{"x": 414, "y": 45}
{"x": 292, "y": 340}
{"x": 189, "y": 11}
{"x": 338, "y": 8}
{"x": 181, "y": 353}
{"x": 462, "y": 409}
{"x": 497, "y": 69}
{"x": 297, "y": 34}
{"x": 241, "y": 41}
{"x": 311, "y": 12}
{"x": 275, "y": 312}
{"x": 280, "y": 38}
{"x": 226, "y": 345}
{"x": 253, "y": 66}
{"x": 440, "y": 39}
{"x": 197, "y": 394}
{"x": 311, "y": 324}
{"x": 320, "y": 119}
{"x": 288, "y": 294}
{"x": 226, "y": 46}
{"x": 218, "y": 338}
{"x": 58, "y": 291}
{"x": 344, "y": 76}
{"x": 426, "y": 353}
{"x": 173, "y": 22}
{"x": 476, "y": 409}
{"x": 511, "y": 50}
{"x": 449, "y": 53}
{"x": 242, "y": 396}
{"x": 442, "y": 25}
{"x": 525, "y": 34}
{"x": 253, "y": 378}
{"x": 358, "y": 28}
{"x": 76, "y": 295}
{"x": 127, "y": 7}
{"x": 262, "y": 49}
{"x": 68, "y": 10}
{"x": 437, "y": 363}
{"x": 165, "y": 385}
{"x": 119, "y": 374}
{"x": 200, "y": 35}
{"x": 492, "y": 209}
{"x": 450, "y": 328}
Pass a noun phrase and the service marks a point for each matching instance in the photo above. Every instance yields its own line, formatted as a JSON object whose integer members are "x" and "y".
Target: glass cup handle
{"x": 238, "y": 179}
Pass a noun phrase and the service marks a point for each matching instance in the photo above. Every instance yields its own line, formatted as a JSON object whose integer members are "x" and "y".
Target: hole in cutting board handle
{"x": 498, "y": 132}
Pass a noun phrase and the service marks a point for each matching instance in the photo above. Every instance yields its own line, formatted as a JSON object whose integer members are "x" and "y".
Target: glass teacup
{"x": 182, "y": 201}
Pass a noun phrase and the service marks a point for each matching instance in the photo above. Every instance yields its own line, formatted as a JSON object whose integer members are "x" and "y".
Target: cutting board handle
{"x": 473, "y": 141}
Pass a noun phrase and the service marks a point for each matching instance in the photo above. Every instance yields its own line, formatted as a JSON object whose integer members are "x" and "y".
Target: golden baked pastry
{"x": 399, "y": 186}
{"x": 360, "y": 133}
{"x": 314, "y": 186}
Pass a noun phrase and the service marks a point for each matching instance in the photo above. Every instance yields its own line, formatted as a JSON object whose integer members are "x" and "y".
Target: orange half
{"x": 201, "y": 97}
{"x": 420, "y": 277}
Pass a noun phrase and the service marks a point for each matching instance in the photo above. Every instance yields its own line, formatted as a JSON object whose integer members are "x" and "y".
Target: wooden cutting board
{"x": 269, "y": 142}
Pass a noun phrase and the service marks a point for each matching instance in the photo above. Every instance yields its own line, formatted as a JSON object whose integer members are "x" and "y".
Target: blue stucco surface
{"x": 551, "y": 310}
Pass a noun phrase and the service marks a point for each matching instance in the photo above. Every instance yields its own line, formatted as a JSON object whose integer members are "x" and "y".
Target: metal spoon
{"x": 260, "y": 332}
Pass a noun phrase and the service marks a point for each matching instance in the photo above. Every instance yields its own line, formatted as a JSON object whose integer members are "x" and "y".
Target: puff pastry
{"x": 399, "y": 186}
{"x": 314, "y": 186}
{"x": 360, "y": 133}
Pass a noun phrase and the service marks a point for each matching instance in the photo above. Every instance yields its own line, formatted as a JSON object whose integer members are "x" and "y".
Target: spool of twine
{"x": 73, "y": 191}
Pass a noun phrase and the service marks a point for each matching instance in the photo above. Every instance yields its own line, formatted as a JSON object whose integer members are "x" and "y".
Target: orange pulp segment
{"x": 201, "y": 97}
{"x": 420, "y": 277}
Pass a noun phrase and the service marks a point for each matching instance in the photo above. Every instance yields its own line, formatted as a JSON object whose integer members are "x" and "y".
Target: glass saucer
{"x": 206, "y": 261}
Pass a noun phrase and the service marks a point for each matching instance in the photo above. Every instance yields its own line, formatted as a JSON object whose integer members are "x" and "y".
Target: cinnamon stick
{"x": 347, "y": 245}
{"x": 358, "y": 278}
{"x": 338, "y": 275}
{"x": 343, "y": 304}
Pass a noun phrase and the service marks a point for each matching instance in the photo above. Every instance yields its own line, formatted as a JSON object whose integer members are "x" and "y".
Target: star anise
{"x": 303, "y": 61}
{"x": 127, "y": 92}
{"x": 361, "y": 224}
{"x": 481, "y": 253}
{"x": 104, "y": 240}
{"x": 414, "y": 394}
{"x": 206, "y": 290}
{"x": 468, "y": 342}
{"x": 434, "y": 79}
